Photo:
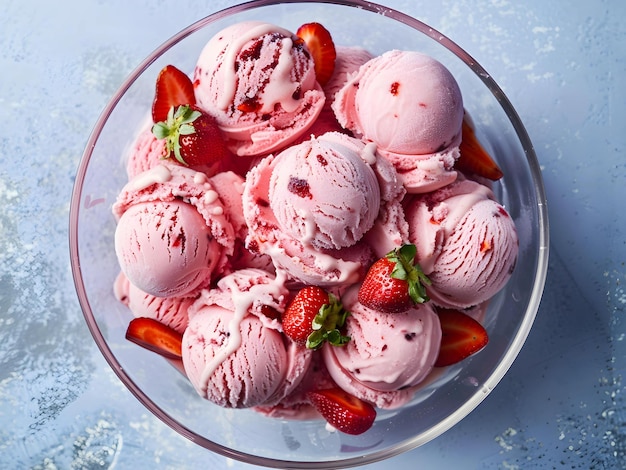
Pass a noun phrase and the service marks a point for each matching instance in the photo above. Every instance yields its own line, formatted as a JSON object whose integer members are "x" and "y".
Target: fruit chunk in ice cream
{"x": 258, "y": 81}
{"x": 411, "y": 107}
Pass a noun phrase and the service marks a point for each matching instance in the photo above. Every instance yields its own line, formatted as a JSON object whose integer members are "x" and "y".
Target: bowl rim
{"x": 518, "y": 340}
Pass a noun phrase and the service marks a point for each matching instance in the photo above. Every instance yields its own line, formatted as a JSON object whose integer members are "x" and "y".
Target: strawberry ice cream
{"x": 145, "y": 153}
{"x": 332, "y": 180}
{"x": 388, "y": 354}
{"x": 410, "y": 105}
{"x": 235, "y": 355}
{"x": 309, "y": 207}
{"x": 295, "y": 404}
{"x": 259, "y": 82}
{"x": 390, "y": 229}
{"x": 348, "y": 61}
{"x": 317, "y": 184}
{"x": 466, "y": 242}
{"x": 230, "y": 186}
{"x": 171, "y": 311}
{"x": 172, "y": 231}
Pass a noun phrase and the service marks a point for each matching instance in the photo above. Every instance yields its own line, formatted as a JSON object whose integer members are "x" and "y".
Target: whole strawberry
{"x": 395, "y": 282}
{"x": 314, "y": 317}
{"x": 193, "y": 137}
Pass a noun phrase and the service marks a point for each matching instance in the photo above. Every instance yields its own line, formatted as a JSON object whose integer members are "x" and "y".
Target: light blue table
{"x": 561, "y": 406}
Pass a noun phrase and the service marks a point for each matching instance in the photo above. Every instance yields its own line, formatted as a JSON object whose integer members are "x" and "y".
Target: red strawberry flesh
{"x": 473, "y": 158}
{"x": 193, "y": 138}
{"x": 395, "y": 282}
{"x": 314, "y": 317}
{"x": 461, "y": 336}
{"x": 343, "y": 411}
{"x": 155, "y": 336}
{"x": 322, "y": 48}
{"x": 173, "y": 88}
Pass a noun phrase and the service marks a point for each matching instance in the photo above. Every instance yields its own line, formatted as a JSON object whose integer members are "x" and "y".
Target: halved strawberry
{"x": 155, "y": 336}
{"x": 461, "y": 336}
{"x": 173, "y": 88}
{"x": 313, "y": 317}
{"x": 474, "y": 159}
{"x": 395, "y": 282}
{"x": 343, "y": 411}
{"x": 320, "y": 43}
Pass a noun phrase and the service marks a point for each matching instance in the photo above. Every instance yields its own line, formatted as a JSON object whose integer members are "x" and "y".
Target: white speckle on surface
{"x": 533, "y": 77}
{"x": 504, "y": 440}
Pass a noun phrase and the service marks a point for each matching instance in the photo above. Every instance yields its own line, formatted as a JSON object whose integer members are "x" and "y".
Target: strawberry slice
{"x": 343, "y": 411}
{"x": 461, "y": 336}
{"x": 155, "y": 336}
{"x": 173, "y": 88}
{"x": 320, "y": 43}
{"x": 474, "y": 159}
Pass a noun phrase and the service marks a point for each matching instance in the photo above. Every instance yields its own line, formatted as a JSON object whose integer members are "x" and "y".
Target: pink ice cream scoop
{"x": 390, "y": 229}
{"x": 165, "y": 247}
{"x": 172, "y": 232}
{"x": 171, "y": 311}
{"x": 310, "y": 205}
{"x": 258, "y": 81}
{"x": 249, "y": 375}
{"x": 233, "y": 354}
{"x": 324, "y": 194}
{"x": 466, "y": 242}
{"x": 411, "y": 106}
{"x": 347, "y": 62}
{"x": 145, "y": 153}
{"x": 296, "y": 404}
{"x": 388, "y": 354}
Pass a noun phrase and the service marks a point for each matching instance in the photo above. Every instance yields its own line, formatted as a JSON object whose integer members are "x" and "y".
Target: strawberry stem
{"x": 408, "y": 270}
{"x": 326, "y": 325}
{"x": 179, "y": 122}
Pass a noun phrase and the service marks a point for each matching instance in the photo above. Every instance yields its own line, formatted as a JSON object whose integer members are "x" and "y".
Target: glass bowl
{"x": 244, "y": 434}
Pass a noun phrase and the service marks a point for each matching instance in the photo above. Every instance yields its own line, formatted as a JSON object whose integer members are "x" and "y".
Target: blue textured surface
{"x": 562, "y": 404}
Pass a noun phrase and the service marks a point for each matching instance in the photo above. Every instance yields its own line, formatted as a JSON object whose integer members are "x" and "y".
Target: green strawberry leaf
{"x": 407, "y": 269}
{"x": 326, "y": 324}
